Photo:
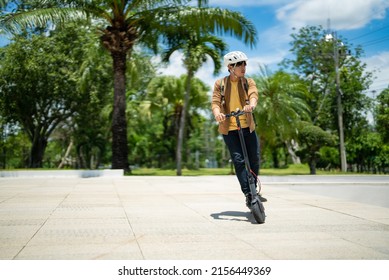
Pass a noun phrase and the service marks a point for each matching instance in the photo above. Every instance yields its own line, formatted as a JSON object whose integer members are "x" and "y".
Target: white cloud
{"x": 176, "y": 68}
{"x": 299, "y": 13}
{"x": 344, "y": 14}
{"x": 251, "y": 3}
{"x": 380, "y": 65}
{"x": 205, "y": 73}
{"x": 173, "y": 68}
{"x": 275, "y": 39}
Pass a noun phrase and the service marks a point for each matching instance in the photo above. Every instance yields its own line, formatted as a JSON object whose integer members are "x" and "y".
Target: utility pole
{"x": 342, "y": 148}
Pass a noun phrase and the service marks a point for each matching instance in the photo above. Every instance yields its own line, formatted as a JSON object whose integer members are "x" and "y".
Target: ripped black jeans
{"x": 252, "y": 145}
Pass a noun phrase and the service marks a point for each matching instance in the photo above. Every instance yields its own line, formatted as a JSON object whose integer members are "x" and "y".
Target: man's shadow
{"x": 234, "y": 216}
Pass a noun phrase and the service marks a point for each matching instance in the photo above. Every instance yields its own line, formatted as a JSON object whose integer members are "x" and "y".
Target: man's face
{"x": 239, "y": 68}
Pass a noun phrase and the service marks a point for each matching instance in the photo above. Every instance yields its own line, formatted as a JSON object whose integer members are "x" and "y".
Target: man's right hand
{"x": 220, "y": 117}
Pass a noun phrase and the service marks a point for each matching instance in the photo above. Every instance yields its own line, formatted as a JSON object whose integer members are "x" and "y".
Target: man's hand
{"x": 220, "y": 117}
{"x": 248, "y": 108}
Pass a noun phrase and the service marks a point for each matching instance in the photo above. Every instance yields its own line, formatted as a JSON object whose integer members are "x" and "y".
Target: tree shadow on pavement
{"x": 234, "y": 216}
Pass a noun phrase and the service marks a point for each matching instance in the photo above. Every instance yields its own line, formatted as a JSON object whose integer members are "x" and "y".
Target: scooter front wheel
{"x": 258, "y": 212}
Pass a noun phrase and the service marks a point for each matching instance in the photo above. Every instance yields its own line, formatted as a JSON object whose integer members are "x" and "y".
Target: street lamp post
{"x": 342, "y": 148}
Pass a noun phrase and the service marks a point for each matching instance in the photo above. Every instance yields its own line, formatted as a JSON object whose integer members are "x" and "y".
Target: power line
{"x": 376, "y": 41}
{"x": 366, "y": 34}
{"x": 381, "y": 81}
{"x": 377, "y": 90}
{"x": 373, "y": 41}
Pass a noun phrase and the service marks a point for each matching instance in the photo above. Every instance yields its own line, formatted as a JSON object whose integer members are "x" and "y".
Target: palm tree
{"x": 281, "y": 108}
{"x": 166, "y": 94}
{"x": 129, "y": 23}
{"x": 196, "y": 49}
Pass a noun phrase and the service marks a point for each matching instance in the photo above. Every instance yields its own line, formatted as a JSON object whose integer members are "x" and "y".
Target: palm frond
{"x": 14, "y": 22}
{"x": 201, "y": 20}
{"x": 3, "y": 4}
{"x": 220, "y": 22}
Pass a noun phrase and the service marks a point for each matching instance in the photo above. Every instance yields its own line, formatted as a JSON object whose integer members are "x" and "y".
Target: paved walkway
{"x": 189, "y": 218}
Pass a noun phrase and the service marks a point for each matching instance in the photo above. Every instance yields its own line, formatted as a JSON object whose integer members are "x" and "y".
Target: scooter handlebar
{"x": 235, "y": 113}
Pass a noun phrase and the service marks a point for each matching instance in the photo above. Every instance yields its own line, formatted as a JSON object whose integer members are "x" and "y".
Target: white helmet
{"x": 234, "y": 57}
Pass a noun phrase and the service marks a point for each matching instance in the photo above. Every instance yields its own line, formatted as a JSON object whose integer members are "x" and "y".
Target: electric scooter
{"x": 256, "y": 206}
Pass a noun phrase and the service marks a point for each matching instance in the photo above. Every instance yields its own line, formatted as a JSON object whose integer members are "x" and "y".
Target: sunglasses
{"x": 240, "y": 63}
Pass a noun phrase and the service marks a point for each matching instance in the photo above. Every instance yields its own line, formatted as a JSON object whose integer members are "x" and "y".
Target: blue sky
{"x": 364, "y": 22}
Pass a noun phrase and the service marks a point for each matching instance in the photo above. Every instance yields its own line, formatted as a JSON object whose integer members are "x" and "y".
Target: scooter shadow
{"x": 234, "y": 216}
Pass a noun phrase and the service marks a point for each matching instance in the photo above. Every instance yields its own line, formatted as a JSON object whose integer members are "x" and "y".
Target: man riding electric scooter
{"x": 229, "y": 94}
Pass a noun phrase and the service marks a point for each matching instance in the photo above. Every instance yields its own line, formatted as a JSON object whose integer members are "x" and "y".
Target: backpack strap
{"x": 246, "y": 89}
{"x": 222, "y": 90}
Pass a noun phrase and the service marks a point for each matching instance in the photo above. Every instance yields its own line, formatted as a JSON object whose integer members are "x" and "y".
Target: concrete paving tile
{"x": 365, "y": 211}
{"x": 384, "y": 221}
{"x": 207, "y": 254}
{"x": 150, "y": 216}
{"x": 376, "y": 239}
{"x": 330, "y": 245}
{"x": 81, "y": 234}
{"x": 22, "y": 222}
{"x": 10, "y": 232}
{"x": 9, "y": 251}
{"x": 105, "y": 251}
{"x": 180, "y": 239}
{"x": 332, "y": 249}
{"x": 24, "y": 213}
{"x": 86, "y": 211}
{"x": 171, "y": 228}
{"x": 203, "y": 250}
{"x": 107, "y": 222}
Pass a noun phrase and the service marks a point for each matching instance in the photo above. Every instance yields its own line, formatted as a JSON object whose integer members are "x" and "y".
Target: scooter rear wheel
{"x": 258, "y": 212}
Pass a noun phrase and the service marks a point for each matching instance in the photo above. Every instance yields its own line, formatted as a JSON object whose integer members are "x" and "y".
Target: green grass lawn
{"x": 300, "y": 169}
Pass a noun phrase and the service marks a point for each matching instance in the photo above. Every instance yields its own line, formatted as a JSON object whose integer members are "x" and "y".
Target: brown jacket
{"x": 219, "y": 102}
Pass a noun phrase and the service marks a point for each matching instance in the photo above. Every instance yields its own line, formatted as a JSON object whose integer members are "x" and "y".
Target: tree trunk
{"x": 181, "y": 130}
{"x": 312, "y": 168}
{"x": 119, "y": 121}
{"x": 312, "y": 164}
{"x": 37, "y": 151}
{"x": 295, "y": 158}
{"x": 276, "y": 163}
{"x": 80, "y": 157}
{"x": 66, "y": 154}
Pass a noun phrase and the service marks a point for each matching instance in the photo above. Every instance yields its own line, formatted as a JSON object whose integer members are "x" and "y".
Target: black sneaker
{"x": 261, "y": 198}
{"x": 248, "y": 200}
